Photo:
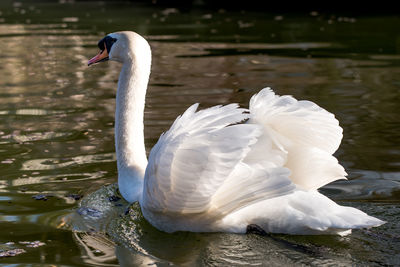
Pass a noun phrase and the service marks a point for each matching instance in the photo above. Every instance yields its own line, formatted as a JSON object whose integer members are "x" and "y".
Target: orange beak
{"x": 100, "y": 57}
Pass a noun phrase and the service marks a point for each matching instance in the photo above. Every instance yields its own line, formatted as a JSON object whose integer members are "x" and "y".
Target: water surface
{"x": 57, "y": 118}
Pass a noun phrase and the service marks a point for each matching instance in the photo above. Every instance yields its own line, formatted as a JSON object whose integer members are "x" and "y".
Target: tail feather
{"x": 302, "y": 213}
{"x": 320, "y": 214}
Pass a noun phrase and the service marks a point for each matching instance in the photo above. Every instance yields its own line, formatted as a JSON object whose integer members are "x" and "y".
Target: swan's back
{"x": 223, "y": 168}
{"x": 196, "y": 171}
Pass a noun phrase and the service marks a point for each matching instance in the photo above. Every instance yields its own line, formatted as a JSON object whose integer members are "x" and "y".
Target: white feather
{"x": 304, "y": 134}
{"x": 302, "y": 212}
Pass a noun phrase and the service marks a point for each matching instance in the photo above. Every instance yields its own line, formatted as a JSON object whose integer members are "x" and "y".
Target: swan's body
{"x": 224, "y": 168}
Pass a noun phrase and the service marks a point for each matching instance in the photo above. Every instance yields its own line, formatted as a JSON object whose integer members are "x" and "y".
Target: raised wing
{"x": 303, "y": 135}
{"x": 196, "y": 167}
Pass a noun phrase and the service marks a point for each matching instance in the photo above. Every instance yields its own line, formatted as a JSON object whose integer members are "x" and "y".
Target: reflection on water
{"x": 57, "y": 137}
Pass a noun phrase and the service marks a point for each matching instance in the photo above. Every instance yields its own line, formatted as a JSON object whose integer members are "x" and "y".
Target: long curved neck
{"x": 129, "y": 128}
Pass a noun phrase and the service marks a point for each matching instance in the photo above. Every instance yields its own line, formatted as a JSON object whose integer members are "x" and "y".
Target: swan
{"x": 226, "y": 168}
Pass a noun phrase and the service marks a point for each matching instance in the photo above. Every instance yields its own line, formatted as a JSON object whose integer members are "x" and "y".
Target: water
{"x": 56, "y": 130}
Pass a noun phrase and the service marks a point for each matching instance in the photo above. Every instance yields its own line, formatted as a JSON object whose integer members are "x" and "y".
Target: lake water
{"x": 57, "y": 118}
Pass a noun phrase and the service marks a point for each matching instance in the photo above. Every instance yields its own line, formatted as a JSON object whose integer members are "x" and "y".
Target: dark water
{"x": 57, "y": 139}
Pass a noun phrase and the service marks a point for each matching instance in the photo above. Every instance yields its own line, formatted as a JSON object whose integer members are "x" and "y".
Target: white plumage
{"x": 225, "y": 167}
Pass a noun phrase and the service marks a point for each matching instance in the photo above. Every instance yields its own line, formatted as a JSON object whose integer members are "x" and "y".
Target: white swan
{"x": 224, "y": 168}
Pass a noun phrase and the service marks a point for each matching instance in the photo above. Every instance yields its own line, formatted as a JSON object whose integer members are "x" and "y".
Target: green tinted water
{"x": 57, "y": 139}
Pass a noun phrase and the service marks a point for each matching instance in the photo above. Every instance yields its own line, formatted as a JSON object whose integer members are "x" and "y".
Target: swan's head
{"x": 121, "y": 46}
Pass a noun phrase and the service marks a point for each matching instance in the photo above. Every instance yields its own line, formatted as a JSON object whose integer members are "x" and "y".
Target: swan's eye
{"x": 106, "y": 43}
{"x": 109, "y": 41}
{"x": 101, "y": 45}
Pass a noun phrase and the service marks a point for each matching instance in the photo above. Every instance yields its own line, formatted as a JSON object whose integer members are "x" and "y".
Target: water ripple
{"x": 40, "y": 136}
{"x": 59, "y": 178}
{"x": 56, "y": 163}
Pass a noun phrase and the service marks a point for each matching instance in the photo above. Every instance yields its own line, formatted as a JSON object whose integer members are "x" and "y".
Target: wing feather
{"x": 302, "y": 135}
{"x": 251, "y": 184}
{"x": 194, "y": 158}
